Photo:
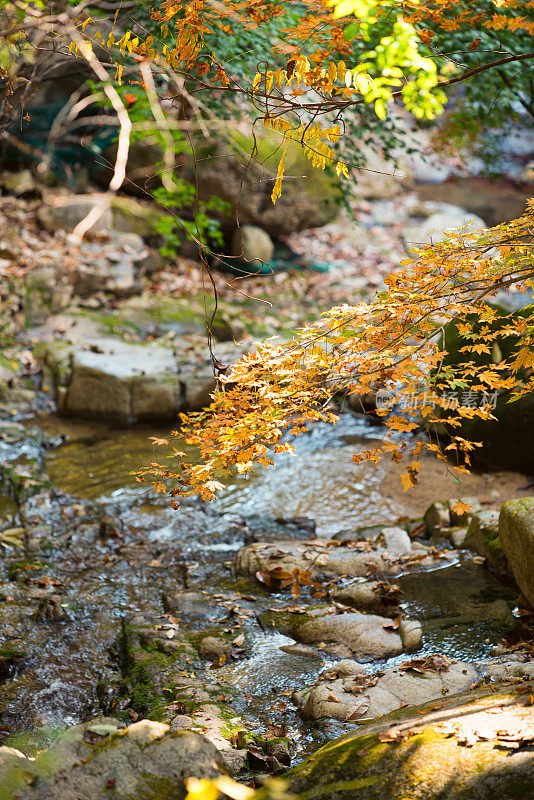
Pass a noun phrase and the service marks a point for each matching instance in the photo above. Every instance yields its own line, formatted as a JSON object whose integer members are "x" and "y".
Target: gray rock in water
{"x": 359, "y": 595}
{"x": 396, "y": 541}
{"x": 102, "y": 759}
{"x": 319, "y": 559}
{"x": 122, "y": 381}
{"x": 192, "y": 607}
{"x": 363, "y": 696}
{"x": 366, "y": 637}
{"x": 516, "y": 527}
{"x": 127, "y": 382}
{"x": 411, "y": 633}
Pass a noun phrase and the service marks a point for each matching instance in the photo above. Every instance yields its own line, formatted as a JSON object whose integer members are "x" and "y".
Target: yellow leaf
{"x": 202, "y": 789}
{"x": 256, "y": 81}
{"x": 460, "y": 508}
{"x": 233, "y": 789}
{"x": 407, "y": 481}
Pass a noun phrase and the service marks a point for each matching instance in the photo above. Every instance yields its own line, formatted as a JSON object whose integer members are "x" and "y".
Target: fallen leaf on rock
{"x": 359, "y": 709}
{"x": 257, "y": 758}
{"x": 460, "y": 508}
{"x": 392, "y": 735}
{"x": 12, "y": 537}
{"x": 433, "y": 663}
{"x": 468, "y": 739}
{"x": 239, "y": 640}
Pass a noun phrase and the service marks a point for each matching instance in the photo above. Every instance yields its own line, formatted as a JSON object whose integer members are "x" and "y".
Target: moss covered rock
{"x": 483, "y": 537}
{"x": 226, "y": 169}
{"x": 471, "y": 747}
{"x": 103, "y": 759}
{"x": 516, "y": 527}
{"x": 164, "y": 680}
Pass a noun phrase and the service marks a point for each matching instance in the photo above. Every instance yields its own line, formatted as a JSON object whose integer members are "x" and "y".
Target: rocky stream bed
{"x": 115, "y": 606}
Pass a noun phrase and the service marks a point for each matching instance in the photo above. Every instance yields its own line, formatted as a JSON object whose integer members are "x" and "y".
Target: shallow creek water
{"x": 71, "y": 659}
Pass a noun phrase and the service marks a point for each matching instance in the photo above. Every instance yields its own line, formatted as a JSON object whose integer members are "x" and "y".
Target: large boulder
{"x": 127, "y": 382}
{"x": 225, "y": 169}
{"x": 61, "y": 211}
{"x": 516, "y": 528}
{"x": 470, "y": 747}
{"x": 104, "y": 759}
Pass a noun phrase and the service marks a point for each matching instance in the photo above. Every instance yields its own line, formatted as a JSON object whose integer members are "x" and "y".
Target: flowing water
{"x": 71, "y": 660}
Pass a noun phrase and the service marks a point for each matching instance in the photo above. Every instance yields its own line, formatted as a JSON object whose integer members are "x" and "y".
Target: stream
{"x": 101, "y": 546}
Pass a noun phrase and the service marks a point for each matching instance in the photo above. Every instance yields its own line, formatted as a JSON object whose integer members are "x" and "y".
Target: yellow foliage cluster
{"x": 395, "y": 343}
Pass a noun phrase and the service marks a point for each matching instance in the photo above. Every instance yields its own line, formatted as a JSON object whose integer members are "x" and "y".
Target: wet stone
{"x": 163, "y": 678}
{"x": 320, "y": 559}
{"x": 379, "y": 596}
{"x": 192, "y": 607}
{"x": 367, "y": 637}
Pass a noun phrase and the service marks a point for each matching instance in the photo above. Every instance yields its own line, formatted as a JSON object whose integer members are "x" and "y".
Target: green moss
{"x": 112, "y": 324}
{"x": 22, "y": 566}
{"x": 154, "y": 787}
{"x": 286, "y": 622}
